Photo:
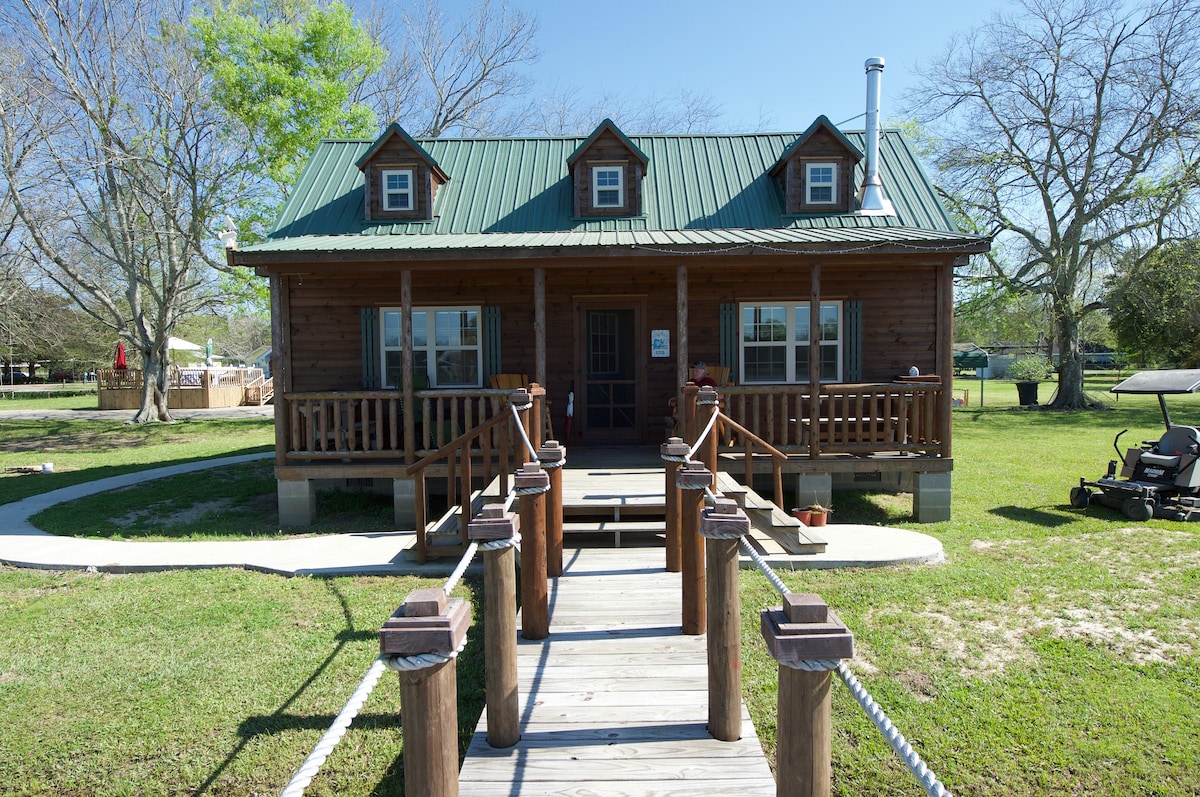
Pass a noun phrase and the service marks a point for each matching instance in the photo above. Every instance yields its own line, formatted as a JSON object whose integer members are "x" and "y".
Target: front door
{"x": 611, "y": 396}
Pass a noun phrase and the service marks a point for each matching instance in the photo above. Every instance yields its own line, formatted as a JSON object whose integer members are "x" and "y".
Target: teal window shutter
{"x": 852, "y": 351}
{"x": 370, "y": 348}
{"x": 492, "y": 362}
{"x": 728, "y": 324}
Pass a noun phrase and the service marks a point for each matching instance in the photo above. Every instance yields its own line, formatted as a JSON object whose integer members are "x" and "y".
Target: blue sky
{"x": 782, "y": 62}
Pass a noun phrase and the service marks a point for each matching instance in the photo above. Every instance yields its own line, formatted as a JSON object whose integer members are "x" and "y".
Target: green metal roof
{"x": 699, "y": 190}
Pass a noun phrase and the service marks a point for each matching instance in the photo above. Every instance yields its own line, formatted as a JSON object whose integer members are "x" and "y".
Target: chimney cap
{"x": 874, "y": 63}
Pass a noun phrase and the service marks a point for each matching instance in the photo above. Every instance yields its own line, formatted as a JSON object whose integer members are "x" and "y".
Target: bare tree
{"x": 564, "y": 111}
{"x": 1070, "y": 131}
{"x": 116, "y": 165}
{"x": 460, "y": 76}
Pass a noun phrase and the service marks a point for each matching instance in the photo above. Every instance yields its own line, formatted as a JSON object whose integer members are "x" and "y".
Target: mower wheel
{"x": 1080, "y": 497}
{"x": 1138, "y": 509}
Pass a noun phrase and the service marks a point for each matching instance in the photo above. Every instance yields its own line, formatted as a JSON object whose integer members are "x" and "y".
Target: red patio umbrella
{"x": 120, "y": 362}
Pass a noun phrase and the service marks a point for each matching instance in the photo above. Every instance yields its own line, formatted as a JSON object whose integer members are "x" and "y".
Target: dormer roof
{"x": 394, "y": 130}
{"x": 820, "y": 123}
{"x": 610, "y": 126}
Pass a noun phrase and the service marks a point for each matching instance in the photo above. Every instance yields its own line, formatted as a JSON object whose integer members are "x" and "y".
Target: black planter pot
{"x": 1027, "y": 393}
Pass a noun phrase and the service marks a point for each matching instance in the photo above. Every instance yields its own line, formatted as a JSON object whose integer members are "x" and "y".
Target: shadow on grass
{"x": 1035, "y": 516}
{"x": 470, "y": 682}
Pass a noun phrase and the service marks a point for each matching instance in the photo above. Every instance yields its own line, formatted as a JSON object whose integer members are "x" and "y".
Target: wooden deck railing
{"x": 848, "y": 418}
{"x": 370, "y": 424}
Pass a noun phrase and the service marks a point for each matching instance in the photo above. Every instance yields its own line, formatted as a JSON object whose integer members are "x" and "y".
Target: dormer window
{"x": 820, "y": 180}
{"x": 607, "y": 188}
{"x": 397, "y": 189}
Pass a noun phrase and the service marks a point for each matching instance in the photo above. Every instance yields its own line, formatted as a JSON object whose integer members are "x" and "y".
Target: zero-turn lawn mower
{"x": 1160, "y": 478}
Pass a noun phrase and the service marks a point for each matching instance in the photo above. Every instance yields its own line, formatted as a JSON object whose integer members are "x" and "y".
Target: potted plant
{"x": 803, "y": 514}
{"x": 1027, "y": 372}
{"x": 819, "y": 514}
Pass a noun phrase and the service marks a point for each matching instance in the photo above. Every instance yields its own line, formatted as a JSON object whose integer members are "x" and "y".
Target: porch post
{"x": 539, "y": 326}
{"x": 281, "y": 366}
{"x": 945, "y": 353}
{"x": 681, "y": 333}
{"x": 406, "y": 366}
{"x": 814, "y": 362}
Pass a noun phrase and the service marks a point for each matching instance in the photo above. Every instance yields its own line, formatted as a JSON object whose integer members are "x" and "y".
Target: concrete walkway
{"x": 367, "y": 553}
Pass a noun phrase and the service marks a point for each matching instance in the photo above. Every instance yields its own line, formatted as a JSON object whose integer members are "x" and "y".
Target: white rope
{"x": 766, "y": 570}
{"x": 933, "y": 787}
{"x": 521, "y": 429}
{"x": 463, "y": 564}
{"x": 312, "y": 765}
{"x": 421, "y": 661}
{"x": 712, "y": 421}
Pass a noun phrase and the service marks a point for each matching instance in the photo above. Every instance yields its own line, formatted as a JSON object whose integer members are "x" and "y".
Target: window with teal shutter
{"x": 728, "y": 323}
{"x": 370, "y": 348}
{"x": 853, "y": 347}
{"x": 492, "y": 360}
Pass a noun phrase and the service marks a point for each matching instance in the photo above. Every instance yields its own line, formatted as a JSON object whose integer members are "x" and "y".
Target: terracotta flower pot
{"x": 819, "y": 518}
{"x": 803, "y": 515}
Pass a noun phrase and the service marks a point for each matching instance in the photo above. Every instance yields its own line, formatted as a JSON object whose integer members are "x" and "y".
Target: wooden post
{"x": 706, "y": 407}
{"x": 814, "y": 363}
{"x": 532, "y": 483}
{"x": 428, "y": 623}
{"x": 500, "y": 624}
{"x": 804, "y": 630}
{"x": 429, "y": 722}
{"x": 722, "y": 527}
{"x": 552, "y": 457}
{"x": 408, "y": 402}
{"x": 672, "y": 452}
{"x": 539, "y": 326}
{"x": 693, "y": 479}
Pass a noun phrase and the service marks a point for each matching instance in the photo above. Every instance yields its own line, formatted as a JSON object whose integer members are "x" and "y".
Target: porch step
{"x": 615, "y": 528}
{"x": 772, "y": 530}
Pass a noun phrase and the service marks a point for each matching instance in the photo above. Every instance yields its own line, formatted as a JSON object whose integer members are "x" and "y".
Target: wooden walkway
{"x": 613, "y": 703}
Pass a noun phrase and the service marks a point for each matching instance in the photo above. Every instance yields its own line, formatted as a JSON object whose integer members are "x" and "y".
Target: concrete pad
{"x": 851, "y": 545}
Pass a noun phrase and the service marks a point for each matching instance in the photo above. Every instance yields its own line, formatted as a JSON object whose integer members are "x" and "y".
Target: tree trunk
{"x": 1070, "y": 364}
{"x": 156, "y": 385}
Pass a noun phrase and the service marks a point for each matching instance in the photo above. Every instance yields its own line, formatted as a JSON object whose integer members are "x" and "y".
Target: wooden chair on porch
{"x": 509, "y": 381}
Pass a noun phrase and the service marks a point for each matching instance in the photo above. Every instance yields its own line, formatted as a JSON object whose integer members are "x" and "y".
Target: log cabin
{"x": 812, "y": 271}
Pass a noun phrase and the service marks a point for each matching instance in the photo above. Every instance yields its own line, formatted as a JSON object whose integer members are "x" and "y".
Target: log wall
{"x": 899, "y": 302}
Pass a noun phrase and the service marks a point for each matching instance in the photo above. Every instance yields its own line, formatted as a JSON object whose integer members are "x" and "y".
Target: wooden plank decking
{"x": 614, "y": 702}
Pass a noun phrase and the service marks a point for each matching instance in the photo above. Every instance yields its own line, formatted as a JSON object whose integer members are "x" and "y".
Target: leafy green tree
{"x": 1069, "y": 131}
{"x": 286, "y": 71}
{"x": 1154, "y": 306}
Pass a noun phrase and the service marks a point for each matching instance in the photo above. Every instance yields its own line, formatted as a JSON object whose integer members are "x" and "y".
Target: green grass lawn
{"x": 1054, "y": 652}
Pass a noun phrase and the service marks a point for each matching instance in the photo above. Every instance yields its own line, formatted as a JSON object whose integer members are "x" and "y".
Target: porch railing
{"x": 842, "y": 418}
{"x": 370, "y": 424}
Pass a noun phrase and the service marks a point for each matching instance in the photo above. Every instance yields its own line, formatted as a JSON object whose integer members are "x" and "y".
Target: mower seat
{"x": 1176, "y": 443}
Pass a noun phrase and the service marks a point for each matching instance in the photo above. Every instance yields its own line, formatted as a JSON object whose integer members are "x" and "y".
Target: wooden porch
{"x": 191, "y": 388}
{"x": 464, "y": 438}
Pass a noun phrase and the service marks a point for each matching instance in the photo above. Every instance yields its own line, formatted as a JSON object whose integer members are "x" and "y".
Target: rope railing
{"x": 325, "y": 746}
{"x": 912, "y": 760}
{"x": 516, "y": 412}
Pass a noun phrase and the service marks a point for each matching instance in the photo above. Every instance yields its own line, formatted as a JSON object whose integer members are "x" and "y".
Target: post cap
{"x": 552, "y": 451}
{"x": 531, "y": 475}
{"x": 493, "y": 525}
{"x": 805, "y": 629}
{"x": 723, "y": 521}
{"x": 694, "y": 476}
{"x": 519, "y": 397}
{"x": 410, "y": 631}
{"x": 674, "y": 447}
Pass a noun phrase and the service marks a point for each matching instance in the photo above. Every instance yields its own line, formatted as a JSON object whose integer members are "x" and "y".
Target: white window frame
{"x": 810, "y": 184}
{"x": 795, "y": 312}
{"x": 386, "y": 193}
{"x": 597, "y": 188}
{"x": 432, "y": 347}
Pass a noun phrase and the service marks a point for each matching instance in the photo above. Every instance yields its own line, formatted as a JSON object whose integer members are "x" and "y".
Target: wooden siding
{"x": 899, "y": 314}
{"x": 397, "y": 154}
{"x": 607, "y": 150}
{"x": 821, "y": 147}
